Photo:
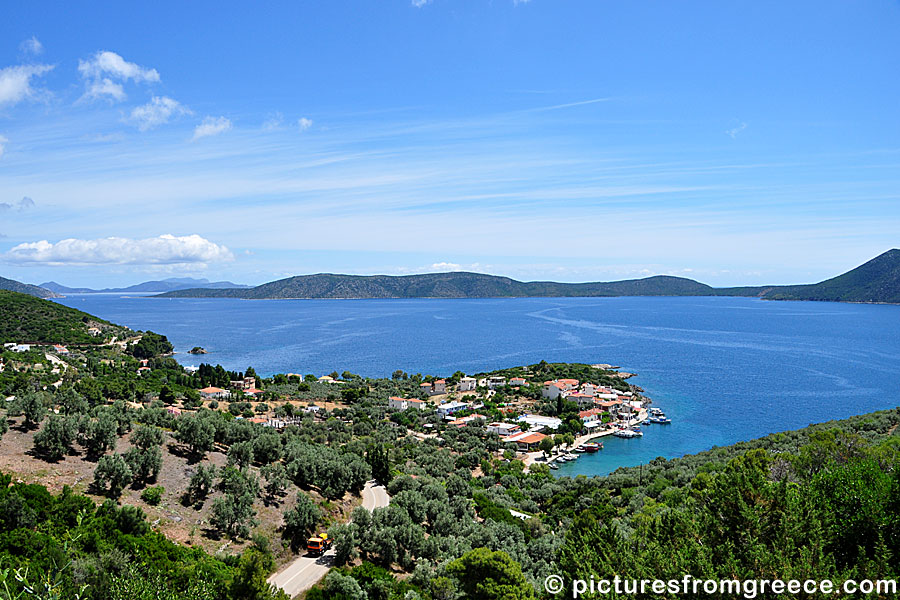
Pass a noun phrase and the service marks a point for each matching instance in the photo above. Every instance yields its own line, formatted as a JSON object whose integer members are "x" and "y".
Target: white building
{"x": 539, "y": 422}
{"x": 404, "y": 403}
{"x": 213, "y": 392}
{"x": 466, "y": 384}
{"x": 503, "y": 429}
{"x": 448, "y": 408}
{"x": 495, "y": 381}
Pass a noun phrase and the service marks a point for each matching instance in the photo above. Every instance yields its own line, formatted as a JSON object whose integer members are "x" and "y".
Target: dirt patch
{"x": 187, "y": 525}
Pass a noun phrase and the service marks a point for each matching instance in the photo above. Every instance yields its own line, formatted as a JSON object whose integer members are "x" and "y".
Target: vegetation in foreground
{"x": 466, "y": 519}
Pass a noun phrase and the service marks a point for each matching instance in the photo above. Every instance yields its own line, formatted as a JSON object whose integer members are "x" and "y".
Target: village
{"x": 539, "y": 423}
{"x": 534, "y": 437}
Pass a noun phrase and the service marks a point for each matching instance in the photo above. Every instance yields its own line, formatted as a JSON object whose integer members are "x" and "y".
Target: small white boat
{"x": 627, "y": 433}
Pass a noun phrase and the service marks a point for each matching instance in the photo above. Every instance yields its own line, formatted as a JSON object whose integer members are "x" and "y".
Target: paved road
{"x": 306, "y": 571}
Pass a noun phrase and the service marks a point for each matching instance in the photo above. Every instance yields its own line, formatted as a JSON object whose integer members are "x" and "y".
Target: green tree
{"x": 546, "y": 445}
{"x": 267, "y": 448}
{"x": 71, "y": 402}
{"x": 276, "y": 480}
{"x": 166, "y": 395}
{"x": 146, "y": 437}
{"x": 233, "y": 515}
{"x": 485, "y": 575}
{"x": 112, "y": 475}
{"x": 197, "y": 433}
{"x": 145, "y": 464}
{"x": 338, "y": 586}
{"x": 301, "y": 520}
{"x": 250, "y": 579}
{"x": 99, "y": 435}
{"x": 54, "y": 441}
{"x": 240, "y": 454}
{"x": 379, "y": 462}
{"x": 32, "y": 405}
{"x": 201, "y": 483}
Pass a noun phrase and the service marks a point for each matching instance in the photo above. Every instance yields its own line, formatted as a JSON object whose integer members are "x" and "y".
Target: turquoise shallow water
{"x": 724, "y": 369}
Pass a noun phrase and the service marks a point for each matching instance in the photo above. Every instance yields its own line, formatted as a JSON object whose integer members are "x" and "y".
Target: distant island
{"x": 877, "y": 281}
{"x": 165, "y": 285}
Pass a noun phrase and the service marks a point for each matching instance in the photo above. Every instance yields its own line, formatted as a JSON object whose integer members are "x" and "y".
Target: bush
{"x": 153, "y": 495}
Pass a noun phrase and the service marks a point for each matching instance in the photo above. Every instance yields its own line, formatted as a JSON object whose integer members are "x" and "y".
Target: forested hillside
{"x": 24, "y": 318}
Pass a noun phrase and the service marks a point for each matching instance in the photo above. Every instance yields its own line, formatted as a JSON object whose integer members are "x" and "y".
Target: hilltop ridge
{"x": 25, "y": 288}
{"x": 878, "y": 280}
{"x": 446, "y": 285}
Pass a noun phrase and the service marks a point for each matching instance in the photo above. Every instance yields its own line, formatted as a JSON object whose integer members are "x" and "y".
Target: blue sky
{"x": 740, "y": 142}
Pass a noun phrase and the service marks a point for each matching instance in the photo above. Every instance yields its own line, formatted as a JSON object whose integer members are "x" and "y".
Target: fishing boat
{"x": 591, "y": 447}
{"x": 571, "y": 457}
{"x": 553, "y": 465}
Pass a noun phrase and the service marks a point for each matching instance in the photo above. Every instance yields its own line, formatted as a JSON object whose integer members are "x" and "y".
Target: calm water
{"x": 724, "y": 369}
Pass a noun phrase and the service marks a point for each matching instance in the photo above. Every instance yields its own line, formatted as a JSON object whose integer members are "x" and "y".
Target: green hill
{"x": 24, "y": 318}
{"x": 446, "y": 285}
{"x": 24, "y": 288}
{"x": 875, "y": 281}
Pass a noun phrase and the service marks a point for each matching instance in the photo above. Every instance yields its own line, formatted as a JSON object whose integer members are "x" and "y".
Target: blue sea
{"x": 723, "y": 369}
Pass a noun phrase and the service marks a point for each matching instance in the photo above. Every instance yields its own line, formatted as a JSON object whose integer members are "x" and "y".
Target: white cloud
{"x": 160, "y": 110}
{"x": 445, "y": 266}
{"x": 734, "y": 131}
{"x": 163, "y": 250}
{"x": 3, "y": 142}
{"x": 15, "y": 82}
{"x": 32, "y": 46}
{"x": 105, "y": 87}
{"x": 211, "y": 126}
{"x": 304, "y": 123}
{"x": 104, "y": 70}
{"x": 420, "y": 3}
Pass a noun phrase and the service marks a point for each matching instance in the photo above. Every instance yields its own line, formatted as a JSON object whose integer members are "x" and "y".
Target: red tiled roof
{"x": 531, "y": 438}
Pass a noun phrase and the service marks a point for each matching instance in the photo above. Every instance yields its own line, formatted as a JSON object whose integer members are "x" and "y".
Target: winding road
{"x": 306, "y": 571}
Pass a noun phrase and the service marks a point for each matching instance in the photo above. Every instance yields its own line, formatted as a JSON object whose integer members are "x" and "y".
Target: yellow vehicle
{"x": 317, "y": 545}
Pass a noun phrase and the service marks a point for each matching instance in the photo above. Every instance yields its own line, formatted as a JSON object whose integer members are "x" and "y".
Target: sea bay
{"x": 723, "y": 369}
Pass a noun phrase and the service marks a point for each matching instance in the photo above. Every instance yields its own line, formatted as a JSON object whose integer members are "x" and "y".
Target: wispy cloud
{"x": 273, "y": 122}
{"x": 15, "y": 83}
{"x": 160, "y": 110}
{"x": 3, "y": 142}
{"x": 304, "y": 123}
{"x": 24, "y": 204}
{"x": 163, "y": 250}
{"x": 105, "y": 72}
{"x": 734, "y": 131}
{"x": 570, "y": 104}
{"x": 31, "y": 46}
{"x": 211, "y": 126}
{"x": 420, "y": 3}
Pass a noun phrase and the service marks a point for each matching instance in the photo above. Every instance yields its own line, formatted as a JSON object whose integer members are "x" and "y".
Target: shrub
{"x": 153, "y": 495}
